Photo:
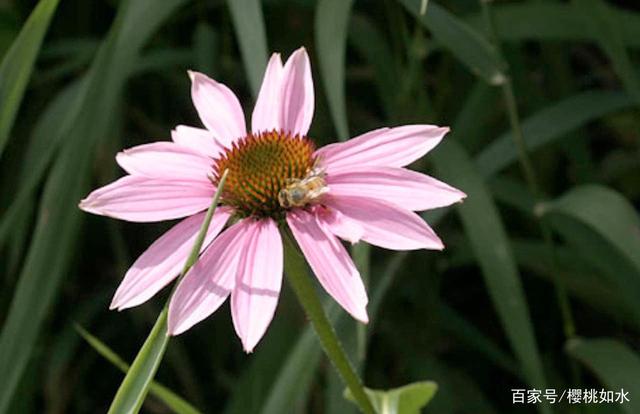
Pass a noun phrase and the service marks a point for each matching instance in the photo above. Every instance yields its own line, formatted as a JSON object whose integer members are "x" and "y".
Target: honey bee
{"x": 300, "y": 192}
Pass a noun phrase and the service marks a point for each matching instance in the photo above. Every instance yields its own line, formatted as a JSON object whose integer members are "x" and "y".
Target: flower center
{"x": 269, "y": 172}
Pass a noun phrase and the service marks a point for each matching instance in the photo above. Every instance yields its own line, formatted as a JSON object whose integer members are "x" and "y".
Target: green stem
{"x": 135, "y": 386}
{"x": 568, "y": 324}
{"x": 297, "y": 275}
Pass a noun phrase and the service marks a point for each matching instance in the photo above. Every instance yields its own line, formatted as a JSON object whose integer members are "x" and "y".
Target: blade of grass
{"x": 45, "y": 140}
{"x": 464, "y": 42}
{"x": 331, "y": 21}
{"x": 455, "y": 323}
{"x": 135, "y": 385}
{"x": 490, "y": 244}
{"x": 252, "y": 38}
{"x": 551, "y": 123}
{"x": 164, "y": 394}
{"x": 58, "y": 223}
{"x": 370, "y": 43}
{"x": 605, "y": 227}
{"x": 614, "y": 363}
{"x": 545, "y": 21}
{"x": 17, "y": 64}
{"x": 583, "y": 280}
{"x": 205, "y": 48}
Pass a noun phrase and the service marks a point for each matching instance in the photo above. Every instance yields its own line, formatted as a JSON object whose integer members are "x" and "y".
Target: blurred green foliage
{"x": 481, "y": 318}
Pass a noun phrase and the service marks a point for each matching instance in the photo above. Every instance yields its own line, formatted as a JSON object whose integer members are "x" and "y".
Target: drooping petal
{"x": 266, "y": 113}
{"x": 254, "y": 299}
{"x": 385, "y": 147}
{"x": 197, "y": 139}
{"x": 340, "y": 225}
{"x": 330, "y": 262}
{"x": 408, "y": 189}
{"x": 387, "y": 225}
{"x": 165, "y": 160}
{"x": 218, "y": 108}
{"x": 209, "y": 282}
{"x": 163, "y": 260}
{"x": 297, "y": 96}
{"x": 143, "y": 199}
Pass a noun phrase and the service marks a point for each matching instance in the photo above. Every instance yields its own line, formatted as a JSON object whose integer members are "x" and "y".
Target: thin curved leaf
{"x": 605, "y": 228}
{"x": 490, "y": 244}
{"x": 544, "y": 21}
{"x": 331, "y": 20}
{"x": 164, "y": 394}
{"x": 252, "y": 39}
{"x": 551, "y": 123}
{"x": 463, "y": 41}
{"x": 17, "y": 64}
{"x": 59, "y": 220}
{"x": 373, "y": 46}
{"x": 615, "y": 364}
{"x": 135, "y": 385}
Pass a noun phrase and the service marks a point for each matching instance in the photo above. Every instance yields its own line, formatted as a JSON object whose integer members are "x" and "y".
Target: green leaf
{"x": 17, "y": 64}
{"x": 605, "y": 228}
{"x": 331, "y": 21}
{"x": 408, "y": 399}
{"x": 614, "y": 363}
{"x": 296, "y": 374}
{"x": 463, "y": 41}
{"x": 601, "y": 22}
{"x": 205, "y": 47}
{"x": 45, "y": 140}
{"x": 490, "y": 244}
{"x": 544, "y": 21}
{"x": 370, "y": 43}
{"x": 582, "y": 280}
{"x": 134, "y": 387}
{"x": 59, "y": 220}
{"x": 252, "y": 39}
{"x": 168, "y": 397}
{"x": 551, "y": 123}
{"x": 475, "y": 339}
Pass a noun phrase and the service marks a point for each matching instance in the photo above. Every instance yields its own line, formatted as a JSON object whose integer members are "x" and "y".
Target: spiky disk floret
{"x": 259, "y": 167}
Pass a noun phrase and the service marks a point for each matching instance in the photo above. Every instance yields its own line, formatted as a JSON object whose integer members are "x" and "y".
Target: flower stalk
{"x": 296, "y": 271}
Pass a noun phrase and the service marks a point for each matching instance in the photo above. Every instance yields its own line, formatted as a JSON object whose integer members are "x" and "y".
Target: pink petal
{"x": 163, "y": 260}
{"x": 198, "y": 139}
{"x": 340, "y": 225}
{"x": 408, "y": 189}
{"x": 385, "y": 147}
{"x": 387, "y": 225}
{"x": 143, "y": 199}
{"x": 330, "y": 262}
{"x": 254, "y": 299}
{"x": 209, "y": 282}
{"x": 218, "y": 108}
{"x": 266, "y": 113}
{"x": 297, "y": 97}
{"x": 165, "y": 160}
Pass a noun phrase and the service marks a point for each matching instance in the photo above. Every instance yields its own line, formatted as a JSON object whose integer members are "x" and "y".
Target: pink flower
{"x": 356, "y": 190}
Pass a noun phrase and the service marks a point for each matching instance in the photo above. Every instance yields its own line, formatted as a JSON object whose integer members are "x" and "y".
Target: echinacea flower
{"x": 355, "y": 190}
